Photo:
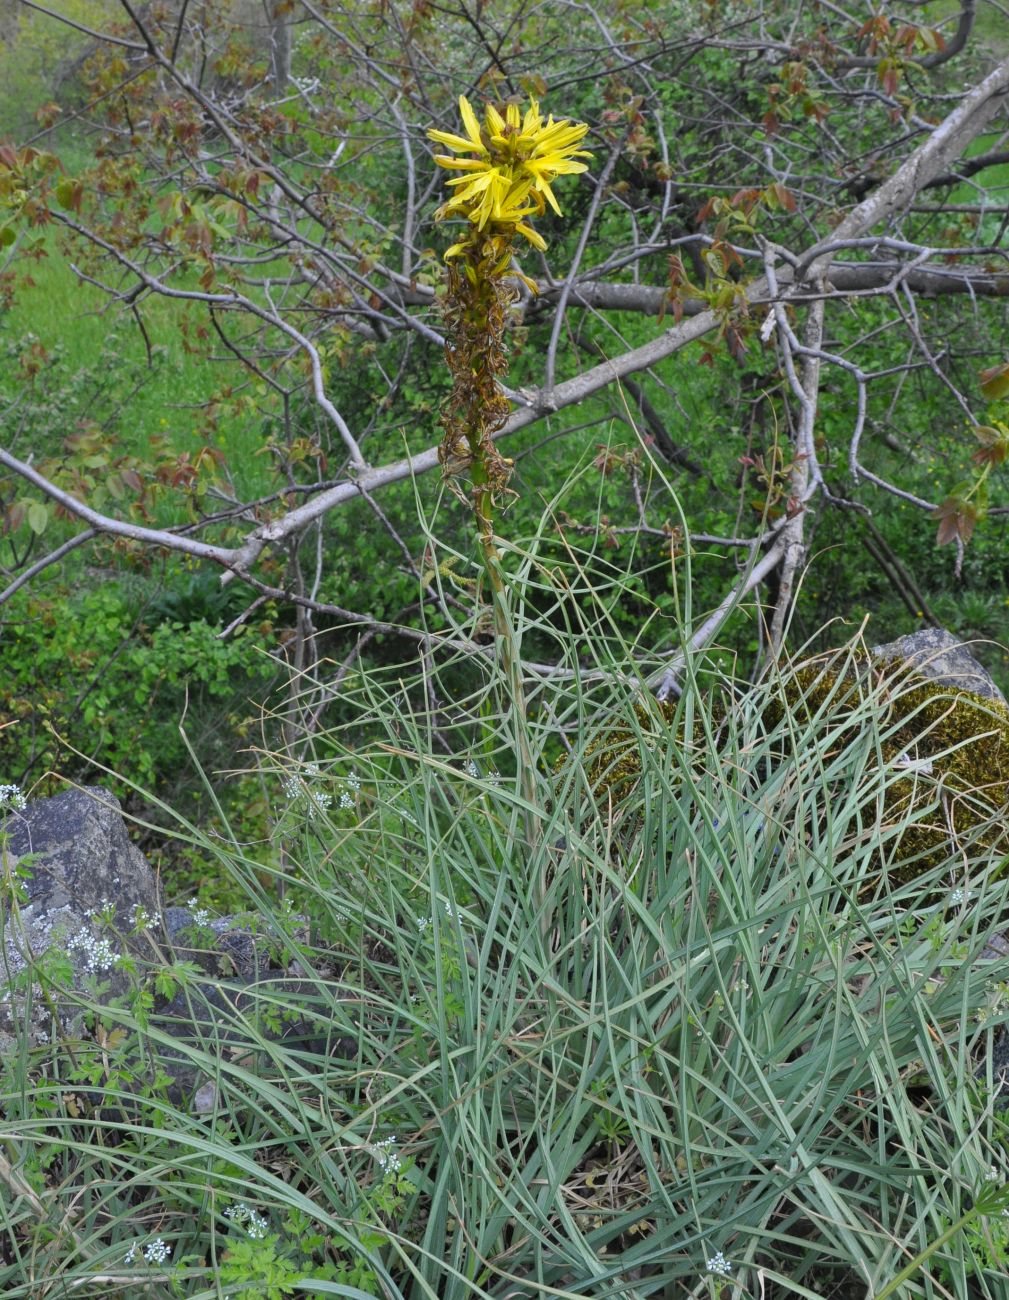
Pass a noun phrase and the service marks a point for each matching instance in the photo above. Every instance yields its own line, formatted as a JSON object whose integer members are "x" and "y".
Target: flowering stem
{"x": 504, "y": 176}
{"x": 476, "y": 310}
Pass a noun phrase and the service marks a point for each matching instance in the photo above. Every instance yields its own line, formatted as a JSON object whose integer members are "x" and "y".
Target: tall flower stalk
{"x": 507, "y": 165}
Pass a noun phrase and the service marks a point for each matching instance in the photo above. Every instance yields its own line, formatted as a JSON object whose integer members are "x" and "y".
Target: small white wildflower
{"x": 246, "y": 1217}
{"x": 12, "y": 797}
{"x": 142, "y": 919}
{"x": 318, "y": 801}
{"x": 958, "y": 896}
{"x": 422, "y": 923}
{"x": 471, "y": 768}
{"x": 992, "y": 1176}
{"x": 388, "y": 1161}
{"x": 257, "y": 1225}
{"x": 719, "y": 1264}
{"x": 97, "y": 953}
{"x": 346, "y": 800}
{"x": 200, "y": 915}
{"x": 354, "y": 782}
{"x": 131, "y": 1254}
{"x": 449, "y": 911}
{"x": 157, "y": 1252}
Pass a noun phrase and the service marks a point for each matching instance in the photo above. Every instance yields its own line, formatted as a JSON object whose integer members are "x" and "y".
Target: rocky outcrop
{"x": 79, "y": 901}
{"x": 83, "y": 926}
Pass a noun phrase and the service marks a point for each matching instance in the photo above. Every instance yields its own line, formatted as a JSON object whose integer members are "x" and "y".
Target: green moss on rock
{"x": 953, "y": 745}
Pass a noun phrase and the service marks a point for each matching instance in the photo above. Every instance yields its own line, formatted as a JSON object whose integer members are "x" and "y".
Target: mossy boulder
{"x": 943, "y": 728}
{"x": 946, "y": 748}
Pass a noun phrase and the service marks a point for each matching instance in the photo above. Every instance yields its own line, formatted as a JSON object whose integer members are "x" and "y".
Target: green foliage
{"x": 115, "y": 694}
{"x": 33, "y": 52}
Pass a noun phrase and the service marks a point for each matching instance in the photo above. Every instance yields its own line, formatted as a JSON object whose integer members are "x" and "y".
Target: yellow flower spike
{"x": 508, "y": 168}
{"x": 502, "y": 175}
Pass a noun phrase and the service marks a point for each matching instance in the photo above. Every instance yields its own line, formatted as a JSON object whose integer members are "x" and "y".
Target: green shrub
{"x": 89, "y": 685}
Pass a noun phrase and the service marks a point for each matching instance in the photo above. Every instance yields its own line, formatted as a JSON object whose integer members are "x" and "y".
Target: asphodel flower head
{"x": 513, "y": 161}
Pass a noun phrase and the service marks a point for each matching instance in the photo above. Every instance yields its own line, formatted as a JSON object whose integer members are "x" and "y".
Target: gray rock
{"x": 227, "y": 946}
{"x": 943, "y": 658}
{"x": 85, "y": 893}
{"x": 82, "y": 892}
{"x": 248, "y": 987}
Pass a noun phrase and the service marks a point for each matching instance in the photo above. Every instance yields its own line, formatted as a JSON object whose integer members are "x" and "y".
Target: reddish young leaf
{"x": 956, "y": 519}
{"x": 995, "y": 381}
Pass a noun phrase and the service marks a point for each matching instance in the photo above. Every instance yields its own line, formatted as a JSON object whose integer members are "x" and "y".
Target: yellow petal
{"x": 548, "y": 194}
{"x": 495, "y": 122}
{"x": 534, "y": 237}
{"x": 512, "y": 114}
{"x": 532, "y": 120}
{"x": 473, "y": 185}
{"x": 459, "y": 164}
{"x": 456, "y": 142}
{"x": 559, "y": 135}
{"x": 471, "y": 124}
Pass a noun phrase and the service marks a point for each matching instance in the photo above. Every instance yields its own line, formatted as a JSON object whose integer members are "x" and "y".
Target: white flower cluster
{"x": 719, "y": 1264}
{"x": 298, "y": 792}
{"x": 155, "y": 1252}
{"x": 348, "y": 798}
{"x": 424, "y": 921}
{"x": 388, "y": 1161}
{"x": 244, "y": 1216}
{"x": 200, "y": 915}
{"x": 12, "y": 797}
{"x": 142, "y": 919}
{"x": 958, "y": 896}
{"x": 96, "y": 952}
